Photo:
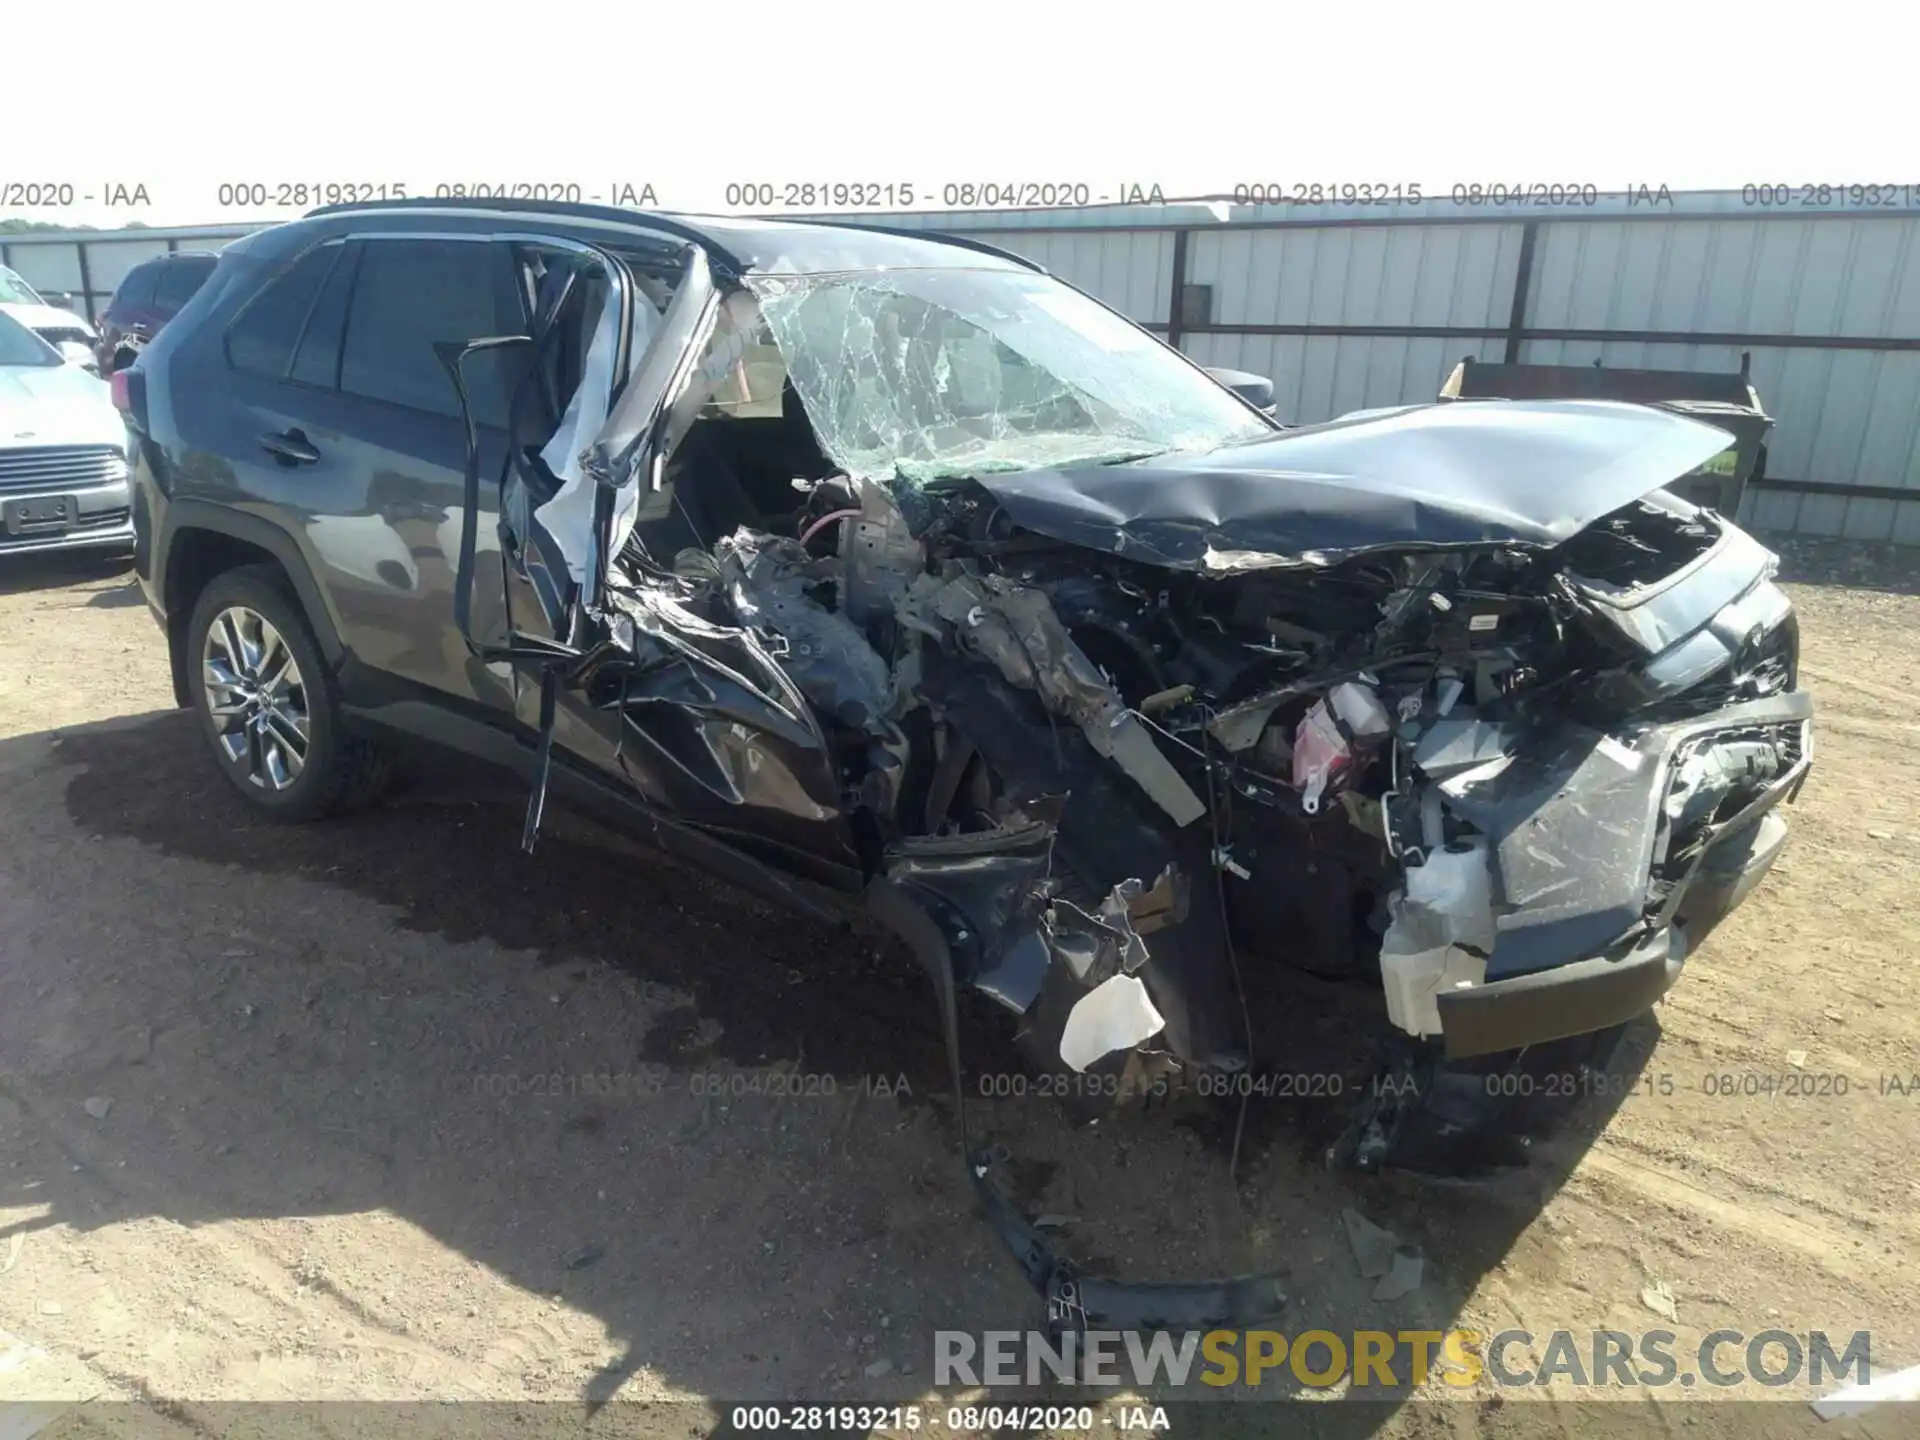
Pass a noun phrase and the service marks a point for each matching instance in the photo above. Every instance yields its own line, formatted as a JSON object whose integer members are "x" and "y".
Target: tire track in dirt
{"x": 1905, "y": 701}
{"x": 1630, "y": 1186}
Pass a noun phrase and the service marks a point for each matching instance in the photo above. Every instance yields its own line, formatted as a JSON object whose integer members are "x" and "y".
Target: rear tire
{"x": 269, "y": 705}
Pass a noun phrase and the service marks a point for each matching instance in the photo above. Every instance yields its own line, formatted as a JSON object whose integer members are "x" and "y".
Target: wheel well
{"x": 195, "y": 558}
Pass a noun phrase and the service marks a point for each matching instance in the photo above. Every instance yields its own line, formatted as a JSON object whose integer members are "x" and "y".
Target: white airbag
{"x": 1116, "y": 1014}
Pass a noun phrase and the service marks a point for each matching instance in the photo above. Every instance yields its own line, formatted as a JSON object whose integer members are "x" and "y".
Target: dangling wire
{"x": 1219, "y": 853}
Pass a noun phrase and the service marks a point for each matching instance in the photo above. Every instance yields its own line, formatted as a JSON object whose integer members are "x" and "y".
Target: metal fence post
{"x": 86, "y": 282}
{"x": 1522, "y": 284}
{"x": 1176, "y": 292}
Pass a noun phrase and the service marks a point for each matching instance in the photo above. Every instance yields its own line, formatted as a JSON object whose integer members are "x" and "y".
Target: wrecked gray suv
{"x": 875, "y": 567}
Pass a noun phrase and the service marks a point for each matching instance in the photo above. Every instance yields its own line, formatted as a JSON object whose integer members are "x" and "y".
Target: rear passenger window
{"x": 318, "y": 360}
{"x": 179, "y": 279}
{"x": 263, "y": 339}
{"x": 409, "y": 295}
{"x": 137, "y": 287}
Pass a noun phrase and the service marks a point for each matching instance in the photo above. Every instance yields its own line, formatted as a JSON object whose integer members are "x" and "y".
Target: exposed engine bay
{"x": 1355, "y": 750}
{"x": 1100, "y": 689}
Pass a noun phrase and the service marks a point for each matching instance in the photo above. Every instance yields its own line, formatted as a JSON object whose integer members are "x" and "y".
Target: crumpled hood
{"x": 1452, "y": 474}
{"x": 57, "y": 405}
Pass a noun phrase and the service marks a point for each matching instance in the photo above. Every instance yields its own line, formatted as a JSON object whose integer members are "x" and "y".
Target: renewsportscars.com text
{"x": 1723, "y": 1359}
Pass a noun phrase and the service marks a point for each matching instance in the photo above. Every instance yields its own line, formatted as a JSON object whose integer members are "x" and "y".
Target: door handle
{"x": 290, "y": 447}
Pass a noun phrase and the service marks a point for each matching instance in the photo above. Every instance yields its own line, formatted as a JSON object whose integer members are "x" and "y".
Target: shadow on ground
{"x": 314, "y": 1049}
{"x": 53, "y": 569}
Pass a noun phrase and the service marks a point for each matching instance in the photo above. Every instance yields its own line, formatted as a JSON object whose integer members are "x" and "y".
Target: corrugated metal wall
{"x": 1350, "y": 316}
{"x": 1458, "y": 276}
{"x": 1131, "y": 270}
{"x": 1845, "y": 415}
{"x": 1358, "y": 307}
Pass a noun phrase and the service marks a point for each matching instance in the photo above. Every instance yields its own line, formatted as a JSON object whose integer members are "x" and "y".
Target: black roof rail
{"x": 489, "y": 202}
{"x": 668, "y": 224}
{"x": 612, "y": 214}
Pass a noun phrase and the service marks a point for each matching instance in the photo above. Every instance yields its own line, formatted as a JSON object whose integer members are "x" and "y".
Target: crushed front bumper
{"x": 1572, "y": 999}
{"x": 1577, "y": 839}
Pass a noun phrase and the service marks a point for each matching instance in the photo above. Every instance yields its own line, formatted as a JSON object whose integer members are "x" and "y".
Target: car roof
{"x": 743, "y": 244}
{"x": 208, "y": 258}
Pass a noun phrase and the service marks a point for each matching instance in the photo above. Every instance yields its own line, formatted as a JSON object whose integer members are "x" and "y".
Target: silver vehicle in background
{"x": 67, "y": 332}
{"x": 63, "y": 451}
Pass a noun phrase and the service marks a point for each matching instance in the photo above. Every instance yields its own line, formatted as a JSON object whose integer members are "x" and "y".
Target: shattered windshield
{"x": 925, "y": 374}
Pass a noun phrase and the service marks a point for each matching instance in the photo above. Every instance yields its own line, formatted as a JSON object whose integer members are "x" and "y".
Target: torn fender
{"x": 988, "y": 894}
{"x": 1074, "y": 1301}
{"x": 1108, "y": 830}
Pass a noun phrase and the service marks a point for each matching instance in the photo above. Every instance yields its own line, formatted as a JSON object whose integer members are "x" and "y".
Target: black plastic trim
{"x": 185, "y": 515}
{"x": 1574, "y": 999}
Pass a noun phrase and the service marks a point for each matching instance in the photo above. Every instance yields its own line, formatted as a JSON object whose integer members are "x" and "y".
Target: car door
{"x": 346, "y": 419}
{"x": 560, "y": 524}
{"x": 698, "y": 714}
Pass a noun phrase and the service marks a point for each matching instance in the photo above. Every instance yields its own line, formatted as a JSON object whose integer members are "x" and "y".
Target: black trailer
{"x": 1718, "y": 398}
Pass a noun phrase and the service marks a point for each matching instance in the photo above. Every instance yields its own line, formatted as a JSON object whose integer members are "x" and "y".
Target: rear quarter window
{"x": 136, "y": 290}
{"x": 179, "y": 280}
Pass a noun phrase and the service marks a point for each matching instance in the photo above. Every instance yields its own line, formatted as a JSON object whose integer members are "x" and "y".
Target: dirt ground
{"x": 382, "y": 1110}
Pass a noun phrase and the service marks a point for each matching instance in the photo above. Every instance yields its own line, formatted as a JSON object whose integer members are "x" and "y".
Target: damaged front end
{"x": 1097, "y": 696}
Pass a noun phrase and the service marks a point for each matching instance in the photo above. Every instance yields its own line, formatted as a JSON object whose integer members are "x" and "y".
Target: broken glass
{"x": 919, "y": 375}
{"x": 568, "y": 515}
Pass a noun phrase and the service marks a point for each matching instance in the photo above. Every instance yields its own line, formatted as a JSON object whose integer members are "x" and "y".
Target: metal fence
{"x": 1352, "y": 307}
{"x": 81, "y": 269}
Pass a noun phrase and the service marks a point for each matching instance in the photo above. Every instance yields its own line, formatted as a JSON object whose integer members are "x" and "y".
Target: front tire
{"x": 269, "y": 705}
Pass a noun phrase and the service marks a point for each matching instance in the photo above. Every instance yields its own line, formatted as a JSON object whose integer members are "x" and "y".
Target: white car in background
{"x": 67, "y": 332}
{"x": 63, "y": 452}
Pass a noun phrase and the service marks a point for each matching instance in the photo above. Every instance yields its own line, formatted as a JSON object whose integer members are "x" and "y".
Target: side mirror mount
{"x": 1256, "y": 390}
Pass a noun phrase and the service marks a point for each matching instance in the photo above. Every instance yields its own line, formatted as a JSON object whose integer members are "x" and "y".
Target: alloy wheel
{"x": 255, "y": 697}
